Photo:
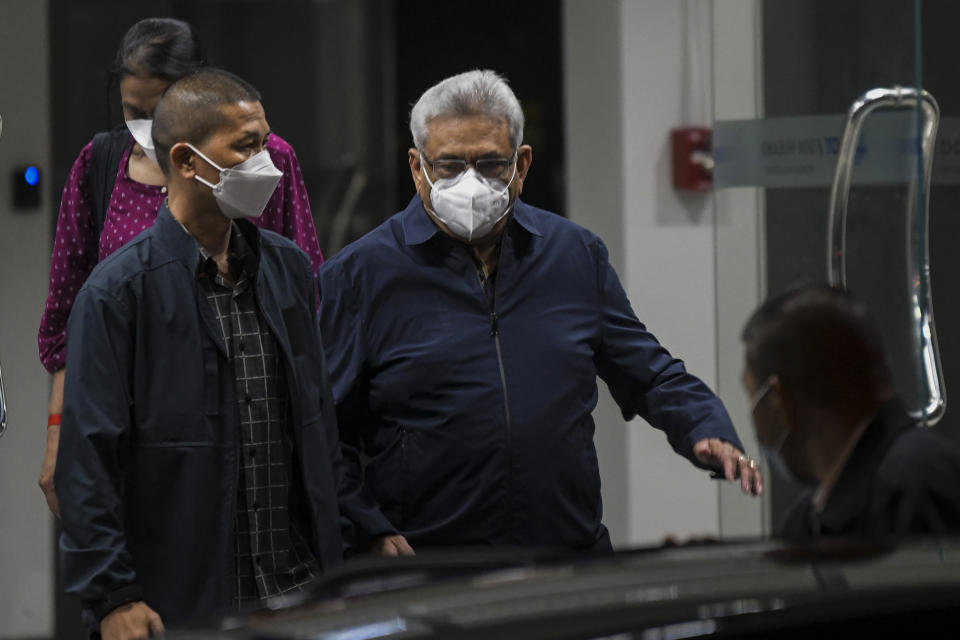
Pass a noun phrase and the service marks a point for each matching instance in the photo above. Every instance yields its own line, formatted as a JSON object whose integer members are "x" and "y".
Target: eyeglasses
{"x": 486, "y": 167}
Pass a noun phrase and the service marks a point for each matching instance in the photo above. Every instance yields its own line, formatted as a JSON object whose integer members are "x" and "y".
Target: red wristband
{"x": 53, "y": 419}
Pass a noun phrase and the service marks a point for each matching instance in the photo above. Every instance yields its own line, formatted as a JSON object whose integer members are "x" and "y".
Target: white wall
{"x": 594, "y": 145}
{"x": 26, "y": 559}
{"x": 738, "y": 233}
{"x": 633, "y": 71}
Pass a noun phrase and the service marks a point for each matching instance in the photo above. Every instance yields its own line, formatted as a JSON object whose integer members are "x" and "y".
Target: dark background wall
{"x": 338, "y": 79}
{"x": 521, "y": 39}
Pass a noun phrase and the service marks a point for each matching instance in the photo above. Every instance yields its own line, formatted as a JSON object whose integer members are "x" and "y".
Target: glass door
{"x": 787, "y": 74}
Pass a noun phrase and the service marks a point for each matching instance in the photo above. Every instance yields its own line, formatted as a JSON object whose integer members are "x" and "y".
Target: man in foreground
{"x": 198, "y": 458}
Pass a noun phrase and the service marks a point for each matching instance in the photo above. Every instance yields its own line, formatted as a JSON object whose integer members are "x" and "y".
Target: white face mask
{"x": 244, "y": 189}
{"x": 469, "y": 205}
{"x": 140, "y": 130}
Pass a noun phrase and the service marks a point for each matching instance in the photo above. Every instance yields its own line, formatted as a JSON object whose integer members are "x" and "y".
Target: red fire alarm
{"x": 692, "y": 159}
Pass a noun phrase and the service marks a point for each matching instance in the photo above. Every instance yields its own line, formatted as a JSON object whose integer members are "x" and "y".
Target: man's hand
{"x": 717, "y": 453}
{"x": 48, "y": 467}
{"x": 391, "y": 544}
{"x": 131, "y": 621}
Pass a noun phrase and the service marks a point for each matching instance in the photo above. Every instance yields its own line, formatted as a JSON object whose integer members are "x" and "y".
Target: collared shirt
{"x": 465, "y": 407}
{"x": 273, "y": 555}
{"x": 822, "y": 494}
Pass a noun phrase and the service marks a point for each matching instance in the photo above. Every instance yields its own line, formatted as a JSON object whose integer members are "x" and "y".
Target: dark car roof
{"x": 715, "y": 590}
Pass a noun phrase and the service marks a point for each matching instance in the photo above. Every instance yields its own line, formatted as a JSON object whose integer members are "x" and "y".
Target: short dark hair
{"x": 190, "y": 109}
{"x": 819, "y": 340}
{"x": 158, "y": 48}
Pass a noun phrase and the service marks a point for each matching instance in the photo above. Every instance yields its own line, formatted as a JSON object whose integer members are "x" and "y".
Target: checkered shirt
{"x": 273, "y": 554}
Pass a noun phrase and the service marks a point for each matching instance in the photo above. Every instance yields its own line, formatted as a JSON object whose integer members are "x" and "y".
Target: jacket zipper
{"x": 495, "y": 334}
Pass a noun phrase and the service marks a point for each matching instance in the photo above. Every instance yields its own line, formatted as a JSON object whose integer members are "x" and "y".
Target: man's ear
{"x": 413, "y": 157}
{"x": 524, "y": 159}
{"x": 182, "y": 159}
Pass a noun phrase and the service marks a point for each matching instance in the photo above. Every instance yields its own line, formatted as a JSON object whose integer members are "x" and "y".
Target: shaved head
{"x": 191, "y": 109}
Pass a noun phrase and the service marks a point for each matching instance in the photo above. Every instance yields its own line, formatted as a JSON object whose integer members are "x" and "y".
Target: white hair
{"x": 478, "y": 92}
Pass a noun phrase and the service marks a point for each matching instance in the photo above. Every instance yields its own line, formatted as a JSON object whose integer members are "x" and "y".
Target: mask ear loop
{"x": 510, "y": 182}
{"x": 507, "y": 188}
{"x": 765, "y": 389}
{"x": 423, "y": 167}
{"x": 209, "y": 162}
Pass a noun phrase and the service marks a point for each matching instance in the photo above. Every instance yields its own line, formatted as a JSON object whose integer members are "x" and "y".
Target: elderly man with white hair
{"x": 464, "y": 338}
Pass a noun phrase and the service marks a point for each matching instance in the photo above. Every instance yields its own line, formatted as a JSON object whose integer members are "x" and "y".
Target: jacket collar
{"x": 844, "y": 506}
{"x": 183, "y": 246}
{"x": 523, "y": 214}
{"x": 419, "y": 227}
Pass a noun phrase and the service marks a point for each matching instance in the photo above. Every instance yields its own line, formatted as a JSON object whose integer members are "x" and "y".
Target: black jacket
{"x": 900, "y": 479}
{"x": 147, "y": 466}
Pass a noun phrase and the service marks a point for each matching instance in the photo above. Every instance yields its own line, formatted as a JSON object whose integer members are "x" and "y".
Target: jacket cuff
{"x": 101, "y": 608}
{"x": 722, "y": 432}
{"x": 373, "y": 527}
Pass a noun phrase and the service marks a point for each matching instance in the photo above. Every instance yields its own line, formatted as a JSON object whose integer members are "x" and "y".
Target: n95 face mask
{"x": 244, "y": 189}
{"x": 469, "y": 204}
{"x": 140, "y": 130}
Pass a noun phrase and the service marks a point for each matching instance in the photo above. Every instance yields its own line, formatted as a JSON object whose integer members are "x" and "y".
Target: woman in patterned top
{"x": 153, "y": 53}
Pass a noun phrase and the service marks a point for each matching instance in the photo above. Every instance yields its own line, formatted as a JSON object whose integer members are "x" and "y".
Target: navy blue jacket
{"x": 147, "y": 467}
{"x": 465, "y": 408}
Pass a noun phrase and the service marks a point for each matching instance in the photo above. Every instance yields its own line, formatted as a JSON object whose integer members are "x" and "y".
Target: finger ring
{"x": 741, "y": 458}
{"x": 753, "y": 463}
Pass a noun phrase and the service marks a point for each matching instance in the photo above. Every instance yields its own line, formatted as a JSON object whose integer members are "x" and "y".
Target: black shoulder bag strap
{"x": 105, "y": 154}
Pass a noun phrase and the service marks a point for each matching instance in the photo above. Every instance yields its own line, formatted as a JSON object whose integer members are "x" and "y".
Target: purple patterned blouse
{"x": 133, "y": 207}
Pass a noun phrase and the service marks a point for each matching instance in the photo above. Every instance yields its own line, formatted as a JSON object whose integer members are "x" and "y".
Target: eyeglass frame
{"x": 433, "y": 164}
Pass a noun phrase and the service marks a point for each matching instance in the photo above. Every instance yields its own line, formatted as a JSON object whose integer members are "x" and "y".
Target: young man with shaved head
{"x": 196, "y": 390}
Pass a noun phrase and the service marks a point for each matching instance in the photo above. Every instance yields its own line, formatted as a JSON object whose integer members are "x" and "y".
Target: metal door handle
{"x": 919, "y": 275}
{"x": 3, "y": 407}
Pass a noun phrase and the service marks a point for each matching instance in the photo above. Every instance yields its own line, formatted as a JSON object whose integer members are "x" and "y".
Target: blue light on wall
{"x": 26, "y": 187}
{"x": 32, "y": 176}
